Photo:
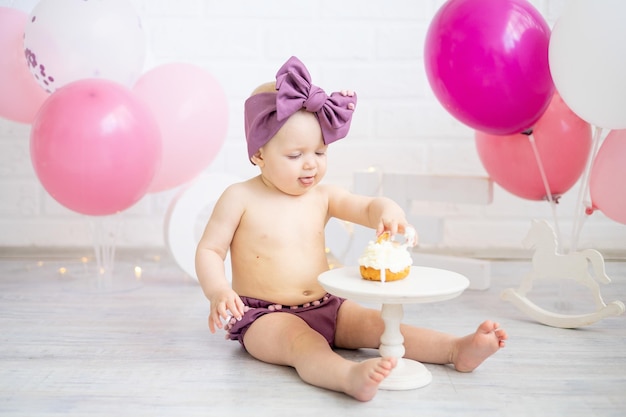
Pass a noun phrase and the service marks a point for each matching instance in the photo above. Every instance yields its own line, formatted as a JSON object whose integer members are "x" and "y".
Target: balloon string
{"x": 104, "y": 233}
{"x": 544, "y": 178}
{"x": 583, "y": 191}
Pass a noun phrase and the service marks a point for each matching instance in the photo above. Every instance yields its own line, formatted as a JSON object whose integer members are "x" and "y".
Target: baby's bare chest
{"x": 300, "y": 212}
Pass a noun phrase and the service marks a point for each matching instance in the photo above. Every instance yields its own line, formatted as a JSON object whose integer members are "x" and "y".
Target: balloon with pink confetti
{"x": 69, "y": 40}
{"x": 20, "y": 96}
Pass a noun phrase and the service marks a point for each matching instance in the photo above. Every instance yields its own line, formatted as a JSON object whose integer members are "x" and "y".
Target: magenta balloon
{"x": 20, "y": 95}
{"x": 608, "y": 176}
{"x": 95, "y": 147}
{"x": 487, "y": 63}
{"x": 191, "y": 109}
{"x": 563, "y": 140}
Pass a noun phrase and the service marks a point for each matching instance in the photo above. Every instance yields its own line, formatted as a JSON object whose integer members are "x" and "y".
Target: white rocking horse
{"x": 549, "y": 264}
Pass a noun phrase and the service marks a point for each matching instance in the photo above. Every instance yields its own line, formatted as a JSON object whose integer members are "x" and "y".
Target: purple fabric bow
{"x": 266, "y": 113}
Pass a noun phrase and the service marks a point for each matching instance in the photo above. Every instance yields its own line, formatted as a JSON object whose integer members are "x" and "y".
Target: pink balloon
{"x": 608, "y": 176}
{"x": 563, "y": 140}
{"x": 487, "y": 63}
{"x": 20, "y": 96}
{"x": 95, "y": 147}
{"x": 192, "y": 112}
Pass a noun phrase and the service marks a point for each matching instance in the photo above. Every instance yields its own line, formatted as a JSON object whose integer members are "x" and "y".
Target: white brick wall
{"x": 373, "y": 47}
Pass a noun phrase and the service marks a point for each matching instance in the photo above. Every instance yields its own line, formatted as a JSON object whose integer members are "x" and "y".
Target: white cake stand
{"x": 423, "y": 285}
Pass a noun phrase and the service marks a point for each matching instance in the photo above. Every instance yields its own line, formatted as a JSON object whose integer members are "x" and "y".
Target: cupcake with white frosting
{"x": 385, "y": 260}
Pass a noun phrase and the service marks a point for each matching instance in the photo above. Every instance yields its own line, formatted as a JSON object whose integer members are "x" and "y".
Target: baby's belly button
{"x": 306, "y": 293}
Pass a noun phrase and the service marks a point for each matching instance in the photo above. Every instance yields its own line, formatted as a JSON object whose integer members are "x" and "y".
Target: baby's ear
{"x": 257, "y": 159}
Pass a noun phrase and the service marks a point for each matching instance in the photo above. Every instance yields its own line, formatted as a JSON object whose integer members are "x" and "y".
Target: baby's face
{"x": 294, "y": 160}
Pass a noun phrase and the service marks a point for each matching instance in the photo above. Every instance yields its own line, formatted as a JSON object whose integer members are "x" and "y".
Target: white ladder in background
{"x": 347, "y": 245}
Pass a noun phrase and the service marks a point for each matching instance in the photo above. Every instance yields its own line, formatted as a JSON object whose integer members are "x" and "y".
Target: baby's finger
{"x": 240, "y": 306}
{"x": 213, "y": 322}
{"x": 222, "y": 311}
{"x": 392, "y": 226}
{"x": 235, "y": 310}
{"x": 380, "y": 228}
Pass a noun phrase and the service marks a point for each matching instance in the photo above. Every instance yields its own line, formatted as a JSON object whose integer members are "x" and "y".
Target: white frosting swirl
{"x": 386, "y": 255}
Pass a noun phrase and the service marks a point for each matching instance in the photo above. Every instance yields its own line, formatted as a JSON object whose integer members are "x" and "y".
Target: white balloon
{"x": 69, "y": 40}
{"x": 23, "y": 5}
{"x": 339, "y": 238}
{"x": 587, "y": 60}
{"x": 181, "y": 221}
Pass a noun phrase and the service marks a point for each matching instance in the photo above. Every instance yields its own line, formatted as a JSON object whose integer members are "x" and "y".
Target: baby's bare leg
{"x": 284, "y": 339}
{"x": 465, "y": 353}
{"x": 359, "y": 327}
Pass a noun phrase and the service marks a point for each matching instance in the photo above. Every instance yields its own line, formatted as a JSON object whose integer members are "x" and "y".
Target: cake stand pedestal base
{"x": 409, "y": 374}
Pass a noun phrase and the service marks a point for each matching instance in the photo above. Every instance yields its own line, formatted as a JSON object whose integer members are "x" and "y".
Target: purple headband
{"x": 265, "y": 113}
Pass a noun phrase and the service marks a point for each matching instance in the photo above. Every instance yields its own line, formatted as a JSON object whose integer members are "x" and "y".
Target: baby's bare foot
{"x": 366, "y": 376}
{"x": 473, "y": 349}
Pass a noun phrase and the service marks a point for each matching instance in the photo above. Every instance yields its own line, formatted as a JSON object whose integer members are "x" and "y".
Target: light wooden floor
{"x": 68, "y": 349}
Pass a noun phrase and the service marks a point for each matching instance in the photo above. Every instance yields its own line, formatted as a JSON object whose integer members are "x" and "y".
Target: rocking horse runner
{"x": 549, "y": 264}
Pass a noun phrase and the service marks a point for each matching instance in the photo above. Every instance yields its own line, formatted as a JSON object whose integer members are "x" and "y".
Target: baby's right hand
{"x": 348, "y": 93}
{"x": 224, "y": 305}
